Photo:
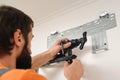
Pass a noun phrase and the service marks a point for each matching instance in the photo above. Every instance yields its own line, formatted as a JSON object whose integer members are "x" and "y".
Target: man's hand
{"x": 73, "y": 71}
{"x": 45, "y": 56}
{"x": 56, "y": 47}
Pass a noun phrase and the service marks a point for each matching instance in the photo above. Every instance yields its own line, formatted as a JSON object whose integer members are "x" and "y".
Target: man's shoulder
{"x": 22, "y": 74}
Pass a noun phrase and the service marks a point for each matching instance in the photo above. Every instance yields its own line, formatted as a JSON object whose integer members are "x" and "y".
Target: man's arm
{"x": 49, "y": 54}
{"x": 41, "y": 59}
{"x": 72, "y": 71}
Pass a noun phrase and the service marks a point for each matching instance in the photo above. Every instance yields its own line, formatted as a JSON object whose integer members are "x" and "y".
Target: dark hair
{"x": 12, "y": 19}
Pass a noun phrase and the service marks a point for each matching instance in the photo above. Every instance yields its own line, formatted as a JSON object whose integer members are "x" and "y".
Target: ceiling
{"x": 42, "y": 9}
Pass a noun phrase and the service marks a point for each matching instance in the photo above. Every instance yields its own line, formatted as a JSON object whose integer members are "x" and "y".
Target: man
{"x": 15, "y": 42}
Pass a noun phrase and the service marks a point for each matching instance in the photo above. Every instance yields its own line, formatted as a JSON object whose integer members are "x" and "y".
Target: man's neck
{"x": 8, "y": 61}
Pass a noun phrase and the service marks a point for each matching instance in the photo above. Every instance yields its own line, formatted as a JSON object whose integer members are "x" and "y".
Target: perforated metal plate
{"x": 96, "y": 29}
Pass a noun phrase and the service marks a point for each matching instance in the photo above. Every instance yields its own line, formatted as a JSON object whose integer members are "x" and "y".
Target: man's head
{"x": 16, "y": 35}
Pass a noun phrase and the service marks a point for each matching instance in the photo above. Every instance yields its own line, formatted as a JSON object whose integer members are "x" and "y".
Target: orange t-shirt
{"x": 21, "y": 74}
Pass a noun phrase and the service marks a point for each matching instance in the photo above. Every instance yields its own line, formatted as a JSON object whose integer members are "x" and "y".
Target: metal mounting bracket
{"x": 96, "y": 29}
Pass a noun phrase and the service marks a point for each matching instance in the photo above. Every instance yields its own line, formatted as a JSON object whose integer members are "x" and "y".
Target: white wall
{"x": 101, "y": 66}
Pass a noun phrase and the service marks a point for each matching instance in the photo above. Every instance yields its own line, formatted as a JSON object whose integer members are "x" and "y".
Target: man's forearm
{"x": 41, "y": 59}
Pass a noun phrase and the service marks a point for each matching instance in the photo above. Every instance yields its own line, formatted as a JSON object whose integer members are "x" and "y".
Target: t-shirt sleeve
{"x": 32, "y": 75}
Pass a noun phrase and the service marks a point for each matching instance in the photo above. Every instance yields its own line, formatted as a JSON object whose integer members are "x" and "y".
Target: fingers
{"x": 75, "y": 62}
{"x": 59, "y": 40}
{"x": 67, "y": 45}
{"x": 63, "y": 39}
{"x": 66, "y": 64}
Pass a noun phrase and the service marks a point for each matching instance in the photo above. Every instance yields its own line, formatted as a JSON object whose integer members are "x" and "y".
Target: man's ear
{"x": 18, "y": 38}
